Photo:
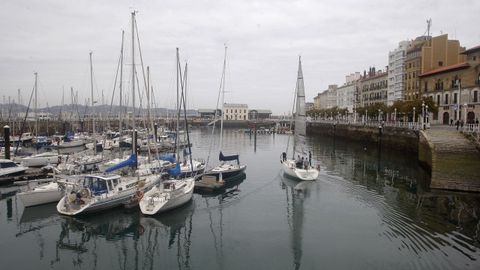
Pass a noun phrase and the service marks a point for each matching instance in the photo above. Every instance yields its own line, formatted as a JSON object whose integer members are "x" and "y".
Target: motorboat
{"x": 10, "y": 168}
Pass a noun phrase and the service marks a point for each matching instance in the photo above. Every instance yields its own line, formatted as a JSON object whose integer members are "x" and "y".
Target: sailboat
{"x": 175, "y": 191}
{"x": 227, "y": 167}
{"x": 299, "y": 168}
{"x": 91, "y": 193}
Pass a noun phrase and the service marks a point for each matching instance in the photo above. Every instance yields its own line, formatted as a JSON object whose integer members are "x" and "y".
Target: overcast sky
{"x": 264, "y": 39}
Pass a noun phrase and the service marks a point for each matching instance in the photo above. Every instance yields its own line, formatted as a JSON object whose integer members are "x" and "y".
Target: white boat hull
{"x": 156, "y": 201}
{"x": 49, "y": 193}
{"x": 103, "y": 201}
{"x": 39, "y": 161}
{"x": 291, "y": 170}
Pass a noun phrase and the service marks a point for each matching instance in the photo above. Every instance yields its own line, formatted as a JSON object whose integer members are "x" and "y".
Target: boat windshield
{"x": 7, "y": 165}
{"x": 96, "y": 185}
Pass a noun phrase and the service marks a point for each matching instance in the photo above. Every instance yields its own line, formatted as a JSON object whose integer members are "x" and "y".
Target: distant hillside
{"x": 82, "y": 110}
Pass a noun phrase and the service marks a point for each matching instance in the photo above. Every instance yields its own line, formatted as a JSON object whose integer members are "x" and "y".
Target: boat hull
{"x": 290, "y": 170}
{"x": 151, "y": 205}
{"x": 35, "y": 198}
{"x": 227, "y": 173}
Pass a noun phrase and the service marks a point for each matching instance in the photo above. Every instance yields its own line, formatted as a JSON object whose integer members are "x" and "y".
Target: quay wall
{"x": 389, "y": 137}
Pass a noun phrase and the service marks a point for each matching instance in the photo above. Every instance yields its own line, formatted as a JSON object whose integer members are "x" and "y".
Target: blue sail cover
{"x": 175, "y": 171}
{"x": 69, "y": 136}
{"x": 168, "y": 157}
{"x": 227, "y": 158}
{"x": 131, "y": 161}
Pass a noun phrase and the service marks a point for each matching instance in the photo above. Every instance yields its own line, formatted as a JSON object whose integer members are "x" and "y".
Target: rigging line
{"x": 222, "y": 79}
{"x": 114, "y": 87}
{"x": 24, "y": 121}
{"x": 184, "y": 87}
{"x": 141, "y": 57}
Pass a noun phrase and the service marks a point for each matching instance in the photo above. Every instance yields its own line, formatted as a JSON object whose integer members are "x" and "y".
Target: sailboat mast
{"x": 121, "y": 87}
{"x": 223, "y": 98}
{"x": 36, "y": 113}
{"x": 178, "y": 105}
{"x": 92, "y": 104}
{"x": 134, "y": 138}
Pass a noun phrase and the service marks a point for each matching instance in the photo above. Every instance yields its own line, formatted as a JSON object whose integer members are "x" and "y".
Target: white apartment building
{"x": 235, "y": 111}
{"x": 396, "y": 73}
{"x": 332, "y": 96}
{"x": 346, "y": 92}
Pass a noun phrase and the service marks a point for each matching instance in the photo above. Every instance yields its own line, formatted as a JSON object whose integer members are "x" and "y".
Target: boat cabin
{"x": 101, "y": 184}
{"x": 6, "y": 163}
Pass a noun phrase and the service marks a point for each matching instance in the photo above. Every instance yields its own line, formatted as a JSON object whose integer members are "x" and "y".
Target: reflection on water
{"x": 369, "y": 209}
{"x": 295, "y": 194}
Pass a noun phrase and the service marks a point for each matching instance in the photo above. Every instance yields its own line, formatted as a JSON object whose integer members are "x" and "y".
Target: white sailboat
{"x": 90, "y": 193}
{"x": 176, "y": 191}
{"x": 42, "y": 194}
{"x": 229, "y": 165}
{"x": 299, "y": 168}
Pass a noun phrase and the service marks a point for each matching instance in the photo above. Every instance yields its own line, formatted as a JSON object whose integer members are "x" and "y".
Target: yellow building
{"x": 425, "y": 54}
{"x": 455, "y": 89}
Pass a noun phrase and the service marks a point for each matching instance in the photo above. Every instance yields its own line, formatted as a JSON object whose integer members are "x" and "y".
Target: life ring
{"x": 139, "y": 194}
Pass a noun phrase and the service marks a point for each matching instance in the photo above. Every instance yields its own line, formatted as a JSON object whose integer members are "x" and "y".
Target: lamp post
{"x": 457, "y": 82}
{"x": 365, "y": 116}
{"x": 426, "y": 115}
{"x": 379, "y": 115}
{"x": 395, "y": 115}
{"x": 423, "y": 115}
{"x": 465, "y": 112}
{"x": 413, "y": 120}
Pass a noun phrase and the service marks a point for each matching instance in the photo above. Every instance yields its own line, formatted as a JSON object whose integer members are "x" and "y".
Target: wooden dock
{"x": 208, "y": 184}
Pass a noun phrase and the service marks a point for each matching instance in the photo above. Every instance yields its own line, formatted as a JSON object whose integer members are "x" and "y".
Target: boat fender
{"x": 139, "y": 194}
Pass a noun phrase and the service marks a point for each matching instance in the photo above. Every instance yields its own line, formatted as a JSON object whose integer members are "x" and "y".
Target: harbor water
{"x": 371, "y": 208}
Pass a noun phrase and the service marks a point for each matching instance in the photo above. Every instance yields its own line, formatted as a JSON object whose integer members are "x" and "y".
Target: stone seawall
{"x": 390, "y": 137}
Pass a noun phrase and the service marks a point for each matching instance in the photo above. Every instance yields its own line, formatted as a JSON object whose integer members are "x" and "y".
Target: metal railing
{"x": 373, "y": 123}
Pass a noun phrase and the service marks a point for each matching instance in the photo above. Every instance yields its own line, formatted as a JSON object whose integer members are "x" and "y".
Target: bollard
{"x": 6, "y": 134}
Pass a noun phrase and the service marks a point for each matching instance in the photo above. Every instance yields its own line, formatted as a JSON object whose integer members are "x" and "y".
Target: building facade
{"x": 346, "y": 92}
{"x": 396, "y": 73}
{"x": 256, "y": 114}
{"x": 425, "y": 54}
{"x": 455, "y": 89}
{"x": 235, "y": 111}
{"x": 373, "y": 87}
{"x": 321, "y": 100}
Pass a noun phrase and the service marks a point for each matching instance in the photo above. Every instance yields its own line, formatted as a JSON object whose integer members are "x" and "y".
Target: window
{"x": 446, "y": 99}
{"x": 455, "y": 96}
{"x": 440, "y": 63}
{"x": 438, "y": 99}
{"x": 426, "y": 86}
{"x": 475, "y": 96}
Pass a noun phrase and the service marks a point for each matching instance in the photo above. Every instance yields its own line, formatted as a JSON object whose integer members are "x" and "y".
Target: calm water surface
{"x": 369, "y": 209}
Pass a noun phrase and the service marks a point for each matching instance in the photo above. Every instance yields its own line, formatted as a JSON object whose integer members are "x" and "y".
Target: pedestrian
{"x": 476, "y": 122}
{"x": 461, "y": 124}
{"x": 310, "y": 158}
{"x": 284, "y": 156}
{"x": 457, "y": 124}
{"x": 451, "y": 122}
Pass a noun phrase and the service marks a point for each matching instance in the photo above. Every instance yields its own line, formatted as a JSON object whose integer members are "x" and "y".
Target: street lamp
{"x": 395, "y": 115}
{"x": 413, "y": 120}
{"x": 457, "y": 82}
{"x": 423, "y": 115}
{"x": 426, "y": 115}
{"x": 365, "y": 116}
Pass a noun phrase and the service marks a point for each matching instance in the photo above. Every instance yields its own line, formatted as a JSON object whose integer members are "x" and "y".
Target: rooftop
{"x": 471, "y": 50}
{"x": 445, "y": 69}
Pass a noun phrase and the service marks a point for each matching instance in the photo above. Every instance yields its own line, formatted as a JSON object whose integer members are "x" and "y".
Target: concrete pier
{"x": 454, "y": 160}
